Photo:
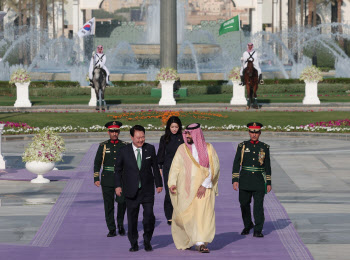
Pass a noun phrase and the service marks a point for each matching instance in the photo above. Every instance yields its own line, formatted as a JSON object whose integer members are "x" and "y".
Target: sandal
{"x": 203, "y": 249}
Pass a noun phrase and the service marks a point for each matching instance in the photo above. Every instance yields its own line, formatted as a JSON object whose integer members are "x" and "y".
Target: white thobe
{"x": 246, "y": 56}
{"x": 98, "y": 60}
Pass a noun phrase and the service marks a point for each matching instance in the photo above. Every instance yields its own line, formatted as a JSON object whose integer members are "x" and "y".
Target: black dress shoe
{"x": 169, "y": 222}
{"x": 112, "y": 233}
{"x": 148, "y": 247}
{"x": 134, "y": 248}
{"x": 245, "y": 231}
{"x": 121, "y": 230}
{"x": 258, "y": 234}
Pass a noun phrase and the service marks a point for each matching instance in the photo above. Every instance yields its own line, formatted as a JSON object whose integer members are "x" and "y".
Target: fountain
{"x": 133, "y": 51}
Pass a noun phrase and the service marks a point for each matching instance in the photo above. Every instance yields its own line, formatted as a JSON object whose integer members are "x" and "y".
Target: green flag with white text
{"x": 231, "y": 25}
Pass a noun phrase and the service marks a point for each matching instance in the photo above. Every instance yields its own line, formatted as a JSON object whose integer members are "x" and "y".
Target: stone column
{"x": 168, "y": 34}
{"x": 257, "y": 17}
{"x": 275, "y": 14}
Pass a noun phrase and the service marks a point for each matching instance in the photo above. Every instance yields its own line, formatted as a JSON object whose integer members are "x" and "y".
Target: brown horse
{"x": 250, "y": 76}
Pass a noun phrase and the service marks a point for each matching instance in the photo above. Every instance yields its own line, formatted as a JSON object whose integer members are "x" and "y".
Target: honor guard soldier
{"x": 251, "y": 174}
{"x": 106, "y": 157}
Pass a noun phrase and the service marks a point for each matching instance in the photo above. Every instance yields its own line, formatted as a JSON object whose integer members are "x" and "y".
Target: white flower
{"x": 311, "y": 73}
{"x": 47, "y": 146}
{"x": 234, "y": 74}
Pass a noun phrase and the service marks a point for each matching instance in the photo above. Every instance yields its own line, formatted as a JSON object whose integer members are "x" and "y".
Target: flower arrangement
{"x": 234, "y": 74}
{"x": 311, "y": 73}
{"x": 47, "y": 146}
{"x": 167, "y": 74}
{"x": 19, "y": 76}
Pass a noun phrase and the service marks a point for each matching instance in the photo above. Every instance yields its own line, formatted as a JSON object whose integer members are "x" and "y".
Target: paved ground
{"x": 310, "y": 177}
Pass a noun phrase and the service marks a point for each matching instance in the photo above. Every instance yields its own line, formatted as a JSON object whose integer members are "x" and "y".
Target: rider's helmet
{"x": 99, "y": 49}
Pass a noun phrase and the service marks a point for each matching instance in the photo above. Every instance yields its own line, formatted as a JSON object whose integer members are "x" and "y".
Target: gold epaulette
{"x": 240, "y": 144}
{"x": 104, "y": 142}
{"x": 124, "y": 142}
{"x": 267, "y": 145}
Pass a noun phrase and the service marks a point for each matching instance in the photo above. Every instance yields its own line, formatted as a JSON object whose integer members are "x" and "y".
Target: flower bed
{"x": 98, "y": 128}
{"x": 165, "y": 115}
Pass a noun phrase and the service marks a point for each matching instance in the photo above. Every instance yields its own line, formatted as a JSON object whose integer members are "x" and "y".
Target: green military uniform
{"x": 253, "y": 177}
{"x": 106, "y": 157}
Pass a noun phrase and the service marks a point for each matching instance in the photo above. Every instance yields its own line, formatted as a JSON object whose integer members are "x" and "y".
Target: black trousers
{"x": 245, "y": 198}
{"x": 149, "y": 220}
{"x": 168, "y": 207}
{"x": 109, "y": 199}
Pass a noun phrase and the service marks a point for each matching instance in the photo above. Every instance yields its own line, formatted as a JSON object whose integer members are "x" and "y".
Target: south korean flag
{"x": 88, "y": 28}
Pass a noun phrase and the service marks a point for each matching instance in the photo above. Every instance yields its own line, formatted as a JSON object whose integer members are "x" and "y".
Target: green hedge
{"x": 268, "y": 89}
{"x": 68, "y": 88}
{"x": 42, "y": 84}
{"x": 139, "y": 83}
{"x": 61, "y": 92}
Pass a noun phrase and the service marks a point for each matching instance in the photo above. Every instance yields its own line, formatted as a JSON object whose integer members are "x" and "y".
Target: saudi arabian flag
{"x": 231, "y": 25}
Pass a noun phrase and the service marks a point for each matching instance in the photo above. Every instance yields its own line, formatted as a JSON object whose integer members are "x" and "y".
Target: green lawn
{"x": 42, "y": 119}
{"x": 143, "y": 99}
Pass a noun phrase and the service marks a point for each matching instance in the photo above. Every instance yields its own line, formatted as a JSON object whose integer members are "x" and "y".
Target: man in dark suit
{"x": 137, "y": 164}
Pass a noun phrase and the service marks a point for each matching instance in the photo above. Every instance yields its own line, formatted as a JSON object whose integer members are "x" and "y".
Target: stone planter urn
{"x": 22, "y": 90}
{"x": 311, "y": 97}
{"x": 238, "y": 94}
{"x": 40, "y": 168}
{"x": 167, "y": 98}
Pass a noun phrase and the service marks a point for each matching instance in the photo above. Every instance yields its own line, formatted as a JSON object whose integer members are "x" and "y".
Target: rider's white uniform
{"x": 98, "y": 60}
{"x": 245, "y": 58}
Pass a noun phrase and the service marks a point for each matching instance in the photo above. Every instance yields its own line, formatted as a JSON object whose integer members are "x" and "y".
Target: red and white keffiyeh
{"x": 199, "y": 141}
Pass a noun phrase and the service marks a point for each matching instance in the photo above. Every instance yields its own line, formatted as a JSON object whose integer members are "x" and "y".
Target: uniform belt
{"x": 108, "y": 168}
{"x": 253, "y": 169}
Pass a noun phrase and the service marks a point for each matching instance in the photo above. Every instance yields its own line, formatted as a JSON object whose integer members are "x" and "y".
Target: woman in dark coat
{"x": 168, "y": 145}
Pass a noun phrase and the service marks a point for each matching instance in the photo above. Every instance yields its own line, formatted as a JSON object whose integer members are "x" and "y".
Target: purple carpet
{"x": 75, "y": 227}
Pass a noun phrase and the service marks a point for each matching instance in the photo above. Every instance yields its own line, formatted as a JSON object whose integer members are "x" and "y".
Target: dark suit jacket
{"x": 126, "y": 166}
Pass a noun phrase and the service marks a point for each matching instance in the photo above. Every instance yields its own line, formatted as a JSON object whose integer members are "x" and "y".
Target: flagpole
{"x": 240, "y": 36}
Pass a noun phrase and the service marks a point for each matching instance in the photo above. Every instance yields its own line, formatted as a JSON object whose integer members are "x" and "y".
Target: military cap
{"x": 254, "y": 126}
{"x": 113, "y": 125}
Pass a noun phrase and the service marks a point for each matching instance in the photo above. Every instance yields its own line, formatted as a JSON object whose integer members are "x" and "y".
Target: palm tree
{"x": 339, "y": 20}
{"x": 53, "y": 20}
{"x": 62, "y": 18}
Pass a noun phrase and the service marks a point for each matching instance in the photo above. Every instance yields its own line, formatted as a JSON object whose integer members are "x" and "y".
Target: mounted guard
{"x": 250, "y": 55}
{"x": 251, "y": 75}
{"x": 98, "y": 60}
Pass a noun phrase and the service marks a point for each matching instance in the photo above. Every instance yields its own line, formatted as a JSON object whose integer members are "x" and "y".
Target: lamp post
{"x": 2, "y": 161}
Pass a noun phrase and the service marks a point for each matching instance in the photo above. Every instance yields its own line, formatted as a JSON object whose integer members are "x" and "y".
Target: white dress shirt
{"x": 135, "y": 151}
{"x": 207, "y": 182}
